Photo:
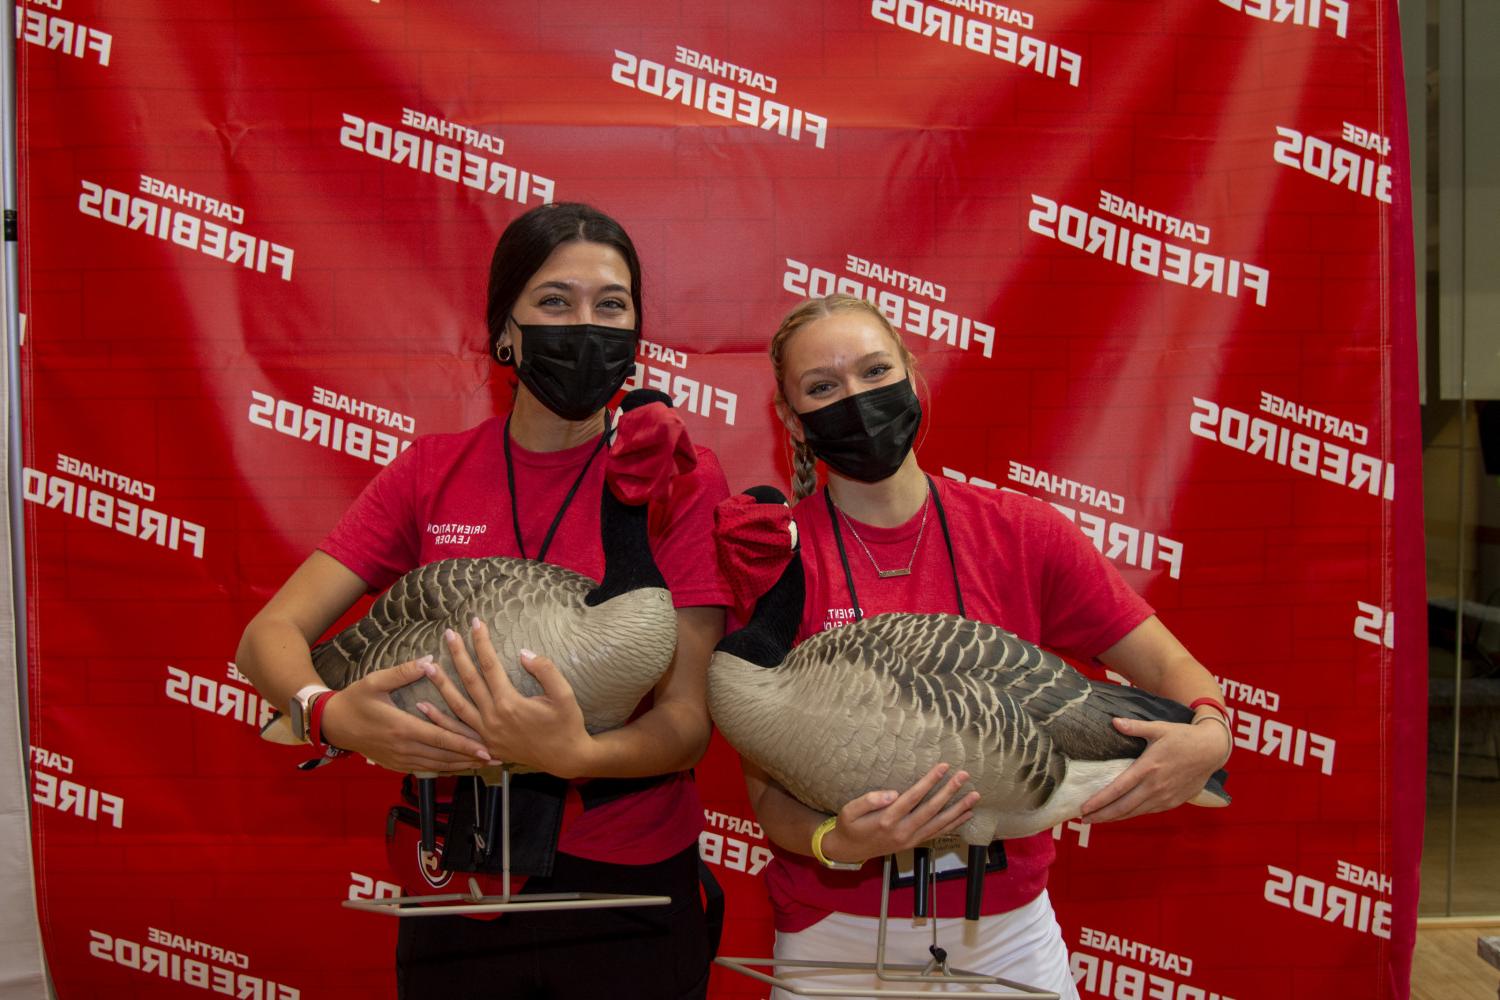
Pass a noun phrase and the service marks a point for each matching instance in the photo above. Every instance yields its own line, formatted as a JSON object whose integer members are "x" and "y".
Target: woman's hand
{"x": 1177, "y": 761}
{"x": 545, "y": 731}
{"x": 881, "y": 823}
{"x": 362, "y": 718}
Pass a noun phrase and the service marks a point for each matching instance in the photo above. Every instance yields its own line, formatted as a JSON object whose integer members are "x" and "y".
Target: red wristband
{"x": 1213, "y": 703}
{"x": 315, "y": 720}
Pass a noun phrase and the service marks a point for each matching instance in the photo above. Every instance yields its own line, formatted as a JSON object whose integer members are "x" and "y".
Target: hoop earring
{"x": 503, "y": 354}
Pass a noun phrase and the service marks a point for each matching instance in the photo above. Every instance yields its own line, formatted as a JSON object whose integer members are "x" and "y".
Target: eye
{"x": 878, "y": 370}
{"x": 614, "y": 304}
{"x": 819, "y": 388}
{"x": 552, "y": 300}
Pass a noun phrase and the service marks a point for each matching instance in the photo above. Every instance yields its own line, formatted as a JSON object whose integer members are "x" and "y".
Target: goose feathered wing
{"x": 978, "y": 672}
{"x": 408, "y": 620}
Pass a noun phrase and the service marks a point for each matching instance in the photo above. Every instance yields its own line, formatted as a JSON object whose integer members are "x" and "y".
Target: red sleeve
{"x": 378, "y": 535}
{"x": 684, "y": 548}
{"x": 1086, "y": 605}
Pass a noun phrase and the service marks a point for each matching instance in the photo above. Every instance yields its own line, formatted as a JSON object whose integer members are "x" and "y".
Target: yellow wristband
{"x": 817, "y": 848}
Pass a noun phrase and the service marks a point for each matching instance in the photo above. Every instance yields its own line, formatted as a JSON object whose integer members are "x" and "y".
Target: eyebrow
{"x": 569, "y": 286}
{"x": 858, "y": 361}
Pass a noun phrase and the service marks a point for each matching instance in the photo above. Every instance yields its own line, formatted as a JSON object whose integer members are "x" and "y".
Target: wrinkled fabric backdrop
{"x": 1154, "y": 258}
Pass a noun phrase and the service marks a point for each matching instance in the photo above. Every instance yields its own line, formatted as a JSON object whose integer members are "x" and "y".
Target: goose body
{"x": 612, "y": 652}
{"x": 876, "y": 703}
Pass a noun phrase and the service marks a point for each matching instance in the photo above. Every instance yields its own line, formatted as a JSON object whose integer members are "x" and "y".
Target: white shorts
{"x": 1024, "y": 946}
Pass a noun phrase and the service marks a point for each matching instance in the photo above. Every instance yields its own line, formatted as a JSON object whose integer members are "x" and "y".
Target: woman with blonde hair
{"x": 883, "y": 536}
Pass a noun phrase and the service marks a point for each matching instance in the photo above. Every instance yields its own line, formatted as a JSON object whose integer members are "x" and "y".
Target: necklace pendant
{"x": 885, "y": 573}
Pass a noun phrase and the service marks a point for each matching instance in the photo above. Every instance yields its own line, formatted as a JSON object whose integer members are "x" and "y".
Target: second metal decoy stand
{"x": 905, "y": 979}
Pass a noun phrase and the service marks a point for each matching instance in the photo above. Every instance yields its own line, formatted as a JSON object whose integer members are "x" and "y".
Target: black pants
{"x": 656, "y": 952}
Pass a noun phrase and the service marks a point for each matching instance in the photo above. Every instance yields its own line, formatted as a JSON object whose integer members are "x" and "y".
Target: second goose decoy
{"x": 875, "y": 703}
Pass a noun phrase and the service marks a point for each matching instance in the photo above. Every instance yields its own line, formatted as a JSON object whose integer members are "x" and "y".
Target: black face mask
{"x": 865, "y": 436}
{"x": 573, "y": 370}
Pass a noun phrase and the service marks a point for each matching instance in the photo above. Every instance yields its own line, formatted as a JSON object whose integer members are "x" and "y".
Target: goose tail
{"x": 1213, "y": 795}
{"x": 279, "y": 730}
{"x": 1134, "y": 703}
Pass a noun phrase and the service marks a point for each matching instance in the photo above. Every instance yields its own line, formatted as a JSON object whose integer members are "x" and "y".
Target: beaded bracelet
{"x": 1213, "y": 703}
{"x": 1227, "y": 732}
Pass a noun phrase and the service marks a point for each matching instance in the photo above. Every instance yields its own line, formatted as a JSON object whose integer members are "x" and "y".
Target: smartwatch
{"x": 299, "y": 710}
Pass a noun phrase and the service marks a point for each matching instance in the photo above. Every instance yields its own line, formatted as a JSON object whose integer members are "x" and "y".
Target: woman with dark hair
{"x": 883, "y": 536}
{"x": 564, "y": 309}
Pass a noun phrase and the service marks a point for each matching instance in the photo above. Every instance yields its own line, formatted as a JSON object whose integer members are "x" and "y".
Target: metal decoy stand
{"x": 906, "y": 979}
{"x": 475, "y": 901}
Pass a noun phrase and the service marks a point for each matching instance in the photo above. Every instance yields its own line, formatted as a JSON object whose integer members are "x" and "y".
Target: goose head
{"x": 767, "y": 637}
{"x": 629, "y": 565}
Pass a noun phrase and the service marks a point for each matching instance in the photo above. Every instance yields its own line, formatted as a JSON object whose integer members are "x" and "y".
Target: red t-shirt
{"x": 1022, "y": 566}
{"x": 446, "y": 497}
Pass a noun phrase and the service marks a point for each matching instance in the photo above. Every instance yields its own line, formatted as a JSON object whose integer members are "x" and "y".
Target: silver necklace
{"x": 885, "y": 574}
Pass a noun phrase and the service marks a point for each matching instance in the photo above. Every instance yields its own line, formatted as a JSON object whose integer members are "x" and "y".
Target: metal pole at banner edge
{"x": 21, "y": 980}
{"x": 9, "y": 130}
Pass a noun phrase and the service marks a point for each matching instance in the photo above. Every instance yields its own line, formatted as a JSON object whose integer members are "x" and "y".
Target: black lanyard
{"x": 510, "y": 481}
{"x": 838, "y": 538}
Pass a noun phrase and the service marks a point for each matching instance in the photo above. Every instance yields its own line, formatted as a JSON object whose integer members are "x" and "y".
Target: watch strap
{"x": 299, "y": 710}
{"x": 318, "y": 703}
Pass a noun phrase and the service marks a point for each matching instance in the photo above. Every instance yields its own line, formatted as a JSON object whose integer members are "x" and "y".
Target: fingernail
{"x": 527, "y": 654}
{"x": 484, "y": 754}
{"x": 424, "y": 708}
{"x": 449, "y": 634}
{"x": 427, "y": 659}
{"x": 428, "y": 667}
{"x": 942, "y": 769}
{"x": 888, "y": 797}
{"x": 475, "y": 623}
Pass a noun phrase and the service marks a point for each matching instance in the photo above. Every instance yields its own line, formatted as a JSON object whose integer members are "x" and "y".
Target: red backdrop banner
{"x": 1154, "y": 258}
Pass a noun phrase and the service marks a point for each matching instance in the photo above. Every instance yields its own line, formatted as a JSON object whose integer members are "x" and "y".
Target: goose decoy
{"x": 875, "y": 703}
{"x": 612, "y": 640}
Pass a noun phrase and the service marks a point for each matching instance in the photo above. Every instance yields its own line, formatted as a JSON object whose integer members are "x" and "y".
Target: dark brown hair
{"x": 530, "y": 239}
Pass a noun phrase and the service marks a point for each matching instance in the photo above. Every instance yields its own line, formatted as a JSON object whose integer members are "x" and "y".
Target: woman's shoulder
{"x": 986, "y": 499}
{"x": 438, "y": 445}
{"x": 486, "y": 430}
{"x": 427, "y": 455}
{"x": 999, "y": 508}
{"x": 810, "y": 507}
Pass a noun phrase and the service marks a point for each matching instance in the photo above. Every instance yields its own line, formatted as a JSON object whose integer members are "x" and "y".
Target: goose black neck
{"x": 772, "y": 629}
{"x": 628, "y": 563}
